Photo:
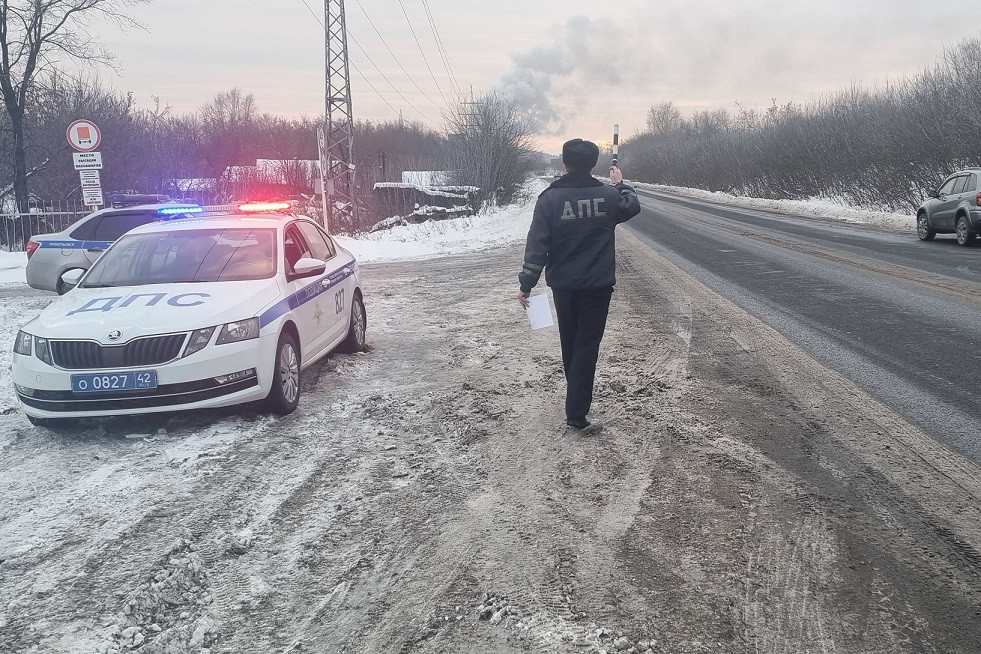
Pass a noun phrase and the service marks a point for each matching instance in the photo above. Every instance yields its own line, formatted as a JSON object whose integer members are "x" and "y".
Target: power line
{"x": 368, "y": 82}
{"x": 442, "y": 49}
{"x": 416, "y": 109}
{"x": 406, "y": 14}
{"x": 365, "y": 77}
{"x": 395, "y": 57}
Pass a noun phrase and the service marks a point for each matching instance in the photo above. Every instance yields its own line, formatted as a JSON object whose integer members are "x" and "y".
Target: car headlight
{"x": 22, "y": 344}
{"x": 199, "y": 339}
{"x": 242, "y": 330}
{"x": 42, "y": 350}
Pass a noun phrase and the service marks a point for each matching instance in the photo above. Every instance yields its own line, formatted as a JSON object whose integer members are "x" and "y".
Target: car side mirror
{"x": 70, "y": 278}
{"x": 308, "y": 267}
{"x": 933, "y": 194}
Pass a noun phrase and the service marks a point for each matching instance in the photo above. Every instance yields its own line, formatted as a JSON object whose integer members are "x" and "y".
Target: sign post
{"x": 85, "y": 136}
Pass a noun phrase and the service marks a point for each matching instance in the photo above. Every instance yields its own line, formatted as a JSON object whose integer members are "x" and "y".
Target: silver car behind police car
{"x": 50, "y": 256}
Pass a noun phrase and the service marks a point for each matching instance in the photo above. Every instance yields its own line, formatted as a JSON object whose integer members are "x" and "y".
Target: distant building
{"x": 426, "y": 177}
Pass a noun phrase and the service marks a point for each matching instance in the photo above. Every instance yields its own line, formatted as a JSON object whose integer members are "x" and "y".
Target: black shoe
{"x": 585, "y": 427}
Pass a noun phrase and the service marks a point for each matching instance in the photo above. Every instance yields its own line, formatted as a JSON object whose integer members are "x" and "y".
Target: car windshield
{"x": 199, "y": 255}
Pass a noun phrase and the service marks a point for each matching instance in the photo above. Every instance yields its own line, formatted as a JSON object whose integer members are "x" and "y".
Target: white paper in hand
{"x": 540, "y": 311}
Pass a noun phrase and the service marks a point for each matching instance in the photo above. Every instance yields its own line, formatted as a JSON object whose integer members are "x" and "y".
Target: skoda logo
{"x": 114, "y": 335}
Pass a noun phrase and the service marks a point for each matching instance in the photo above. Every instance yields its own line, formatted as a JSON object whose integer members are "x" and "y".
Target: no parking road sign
{"x": 84, "y": 135}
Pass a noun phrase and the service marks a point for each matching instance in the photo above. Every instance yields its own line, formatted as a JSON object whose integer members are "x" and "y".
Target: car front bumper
{"x": 193, "y": 382}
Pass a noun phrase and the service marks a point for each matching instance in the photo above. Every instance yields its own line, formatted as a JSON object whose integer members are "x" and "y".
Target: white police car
{"x": 50, "y": 256}
{"x": 190, "y": 314}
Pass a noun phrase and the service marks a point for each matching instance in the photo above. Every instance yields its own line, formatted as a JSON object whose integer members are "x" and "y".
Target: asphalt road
{"x": 899, "y": 317}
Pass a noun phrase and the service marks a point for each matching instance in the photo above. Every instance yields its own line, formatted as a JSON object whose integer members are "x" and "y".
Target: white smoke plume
{"x": 554, "y": 80}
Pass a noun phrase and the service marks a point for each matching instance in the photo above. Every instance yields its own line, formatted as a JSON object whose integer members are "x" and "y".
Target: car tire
{"x": 284, "y": 394}
{"x": 964, "y": 233}
{"x": 355, "y": 341}
{"x": 52, "y": 423}
{"x": 923, "y": 229}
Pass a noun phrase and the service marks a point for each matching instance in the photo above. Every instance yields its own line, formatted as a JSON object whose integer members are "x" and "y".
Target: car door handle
{"x": 95, "y": 250}
{"x": 325, "y": 283}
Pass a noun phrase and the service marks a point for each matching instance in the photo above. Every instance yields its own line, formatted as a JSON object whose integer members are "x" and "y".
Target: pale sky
{"x": 587, "y": 64}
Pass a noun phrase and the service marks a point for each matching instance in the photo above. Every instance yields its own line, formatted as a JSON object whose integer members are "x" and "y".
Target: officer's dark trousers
{"x": 582, "y": 320}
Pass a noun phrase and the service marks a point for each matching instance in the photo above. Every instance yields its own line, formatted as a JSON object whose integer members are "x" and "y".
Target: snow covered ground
{"x": 12, "y": 266}
{"x": 252, "y": 532}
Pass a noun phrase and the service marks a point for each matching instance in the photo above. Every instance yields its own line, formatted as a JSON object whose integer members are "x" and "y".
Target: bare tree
{"x": 490, "y": 145}
{"x": 35, "y": 35}
{"x": 663, "y": 117}
{"x": 229, "y": 125}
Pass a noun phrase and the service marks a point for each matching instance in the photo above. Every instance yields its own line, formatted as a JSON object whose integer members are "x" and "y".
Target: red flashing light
{"x": 977, "y": 200}
{"x": 32, "y": 247}
{"x": 264, "y": 207}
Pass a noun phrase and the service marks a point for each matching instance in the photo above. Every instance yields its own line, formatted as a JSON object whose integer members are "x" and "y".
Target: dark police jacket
{"x": 571, "y": 235}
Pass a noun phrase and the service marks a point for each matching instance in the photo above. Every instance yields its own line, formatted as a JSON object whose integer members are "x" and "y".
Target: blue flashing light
{"x": 179, "y": 210}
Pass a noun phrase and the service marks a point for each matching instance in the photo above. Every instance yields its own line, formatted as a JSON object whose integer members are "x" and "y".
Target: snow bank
{"x": 498, "y": 227}
{"x": 12, "y": 265}
{"x": 813, "y": 208}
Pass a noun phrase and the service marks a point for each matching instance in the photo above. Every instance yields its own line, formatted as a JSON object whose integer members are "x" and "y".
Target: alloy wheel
{"x": 964, "y": 235}
{"x": 289, "y": 372}
{"x": 923, "y": 230}
{"x": 358, "y": 323}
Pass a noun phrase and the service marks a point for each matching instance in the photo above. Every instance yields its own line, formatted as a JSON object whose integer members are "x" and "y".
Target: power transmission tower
{"x": 337, "y": 142}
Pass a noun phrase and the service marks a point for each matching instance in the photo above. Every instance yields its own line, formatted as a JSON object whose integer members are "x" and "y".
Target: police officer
{"x": 571, "y": 239}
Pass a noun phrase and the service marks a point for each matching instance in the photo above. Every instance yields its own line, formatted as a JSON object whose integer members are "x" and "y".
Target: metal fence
{"x": 17, "y": 228}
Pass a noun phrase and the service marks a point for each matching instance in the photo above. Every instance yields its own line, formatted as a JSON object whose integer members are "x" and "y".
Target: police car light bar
{"x": 264, "y": 207}
{"x": 179, "y": 210}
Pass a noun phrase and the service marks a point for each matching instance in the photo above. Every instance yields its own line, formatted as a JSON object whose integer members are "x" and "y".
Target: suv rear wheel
{"x": 964, "y": 233}
{"x": 923, "y": 229}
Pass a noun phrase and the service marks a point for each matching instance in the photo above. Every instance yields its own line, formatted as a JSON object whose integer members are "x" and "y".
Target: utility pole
{"x": 337, "y": 150}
